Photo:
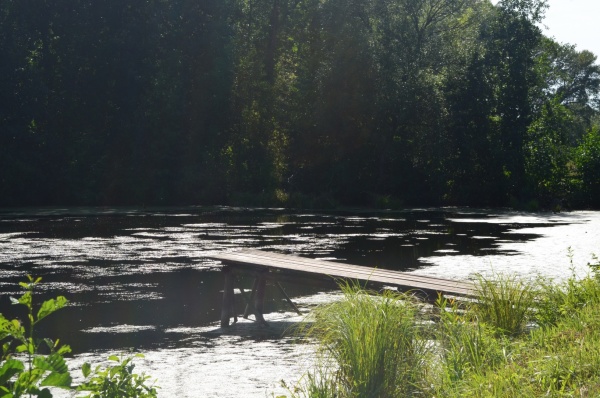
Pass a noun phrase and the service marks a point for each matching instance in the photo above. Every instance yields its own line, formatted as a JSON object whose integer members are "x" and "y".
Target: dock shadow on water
{"x": 139, "y": 279}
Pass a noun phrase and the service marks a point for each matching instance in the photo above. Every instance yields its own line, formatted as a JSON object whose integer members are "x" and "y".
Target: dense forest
{"x": 308, "y": 103}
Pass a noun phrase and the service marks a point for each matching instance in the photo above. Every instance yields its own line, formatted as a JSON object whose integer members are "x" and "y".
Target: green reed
{"x": 505, "y": 302}
{"x": 373, "y": 342}
{"x": 517, "y": 338}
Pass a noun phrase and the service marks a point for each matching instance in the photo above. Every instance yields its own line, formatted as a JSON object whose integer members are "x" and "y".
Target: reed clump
{"x": 519, "y": 338}
{"x": 370, "y": 346}
{"x": 505, "y": 301}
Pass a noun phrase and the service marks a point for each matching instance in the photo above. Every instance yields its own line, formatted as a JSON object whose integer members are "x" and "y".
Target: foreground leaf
{"x": 50, "y": 306}
{"x": 9, "y": 369}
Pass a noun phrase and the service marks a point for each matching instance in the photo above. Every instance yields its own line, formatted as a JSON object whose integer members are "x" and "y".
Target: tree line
{"x": 294, "y": 102}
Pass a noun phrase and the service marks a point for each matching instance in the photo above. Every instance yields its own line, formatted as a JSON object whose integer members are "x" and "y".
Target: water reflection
{"x": 138, "y": 278}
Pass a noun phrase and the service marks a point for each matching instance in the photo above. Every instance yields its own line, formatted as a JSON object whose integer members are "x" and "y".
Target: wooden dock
{"x": 268, "y": 265}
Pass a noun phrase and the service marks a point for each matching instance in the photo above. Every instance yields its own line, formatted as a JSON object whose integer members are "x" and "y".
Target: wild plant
{"x": 505, "y": 302}
{"x": 374, "y": 342}
{"x": 117, "y": 380}
{"x": 24, "y": 371}
{"x": 321, "y": 382}
{"x": 559, "y": 300}
{"x": 466, "y": 346}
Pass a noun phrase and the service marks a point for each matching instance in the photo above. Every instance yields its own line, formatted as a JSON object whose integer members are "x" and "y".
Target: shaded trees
{"x": 587, "y": 162}
{"x": 105, "y": 89}
{"x": 428, "y": 101}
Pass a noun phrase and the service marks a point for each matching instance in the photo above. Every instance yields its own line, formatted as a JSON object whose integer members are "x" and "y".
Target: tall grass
{"x": 374, "y": 342}
{"x": 464, "y": 346}
{"x": 566, "y": 299}
{"x": 386, "y": 346}
{"x": 505, "y": 302}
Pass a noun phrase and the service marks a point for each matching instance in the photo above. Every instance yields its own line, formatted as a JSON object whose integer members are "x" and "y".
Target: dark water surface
{"x": 138, "y": 278}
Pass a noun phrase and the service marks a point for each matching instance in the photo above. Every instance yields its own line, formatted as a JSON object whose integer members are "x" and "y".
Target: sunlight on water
{"x": 138, "y": 279}
{"x": 573, "y": 240}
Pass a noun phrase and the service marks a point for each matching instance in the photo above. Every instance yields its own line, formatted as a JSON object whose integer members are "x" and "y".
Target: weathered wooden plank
{"x": 289, "y": 261}
{"x": 343, "y": 271}
{"x": 375, "y": 277}
{"x": 257, "y": 258}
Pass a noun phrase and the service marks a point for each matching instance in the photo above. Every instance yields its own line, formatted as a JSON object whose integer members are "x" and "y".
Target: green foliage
{"x": 320, "y": 383}
{"x": 116, "y": 380}
{"x": 475, "y": 350}
{"x": 587, "y": 164}
{"x": 547, "y": 152}
{"x": 28, "y": 376}
{"x": 467, "y": 346}
{"x": 558, "y": 301}
{"x": 222, "y": 101}
{"x": 372, "y": 342}
{"x": 504, "y": 302}
{"x": 26, "y": 372}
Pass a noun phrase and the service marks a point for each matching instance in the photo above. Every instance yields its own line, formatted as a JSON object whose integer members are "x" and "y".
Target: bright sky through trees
{"x": 573, "y": 22}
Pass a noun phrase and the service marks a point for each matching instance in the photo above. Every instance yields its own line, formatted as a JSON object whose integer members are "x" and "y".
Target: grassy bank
{"x": 519, "y": 339}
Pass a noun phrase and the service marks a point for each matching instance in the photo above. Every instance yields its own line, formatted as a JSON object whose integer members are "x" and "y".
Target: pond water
{"x": 139, "y": 280}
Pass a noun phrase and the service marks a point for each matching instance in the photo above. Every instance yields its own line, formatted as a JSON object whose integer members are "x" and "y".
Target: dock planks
{"x": 272, "y": 263}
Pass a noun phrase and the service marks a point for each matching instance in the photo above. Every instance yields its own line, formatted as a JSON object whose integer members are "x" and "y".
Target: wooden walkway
{"x": 269, "y": 265}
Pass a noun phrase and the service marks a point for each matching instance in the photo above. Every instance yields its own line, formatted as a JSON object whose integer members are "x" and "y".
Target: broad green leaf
{"x": 49, "y": 306}
{"x": 15, "y": 329}
{"x": 113, "y": 358}
{"x": 54, "y": 363}
{"x": 30, "y": 378}
{"x": 55, "y": 379}
{"x": 113, "y": 371}
{"x": 9, "y": 369}
{"x": 86, "y": 369}
{"x": 26, "y": 299}
{"x": 65, "y": 349}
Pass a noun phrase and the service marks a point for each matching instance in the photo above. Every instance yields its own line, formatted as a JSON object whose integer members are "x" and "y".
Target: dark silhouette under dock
{"x": 273, "y": 266}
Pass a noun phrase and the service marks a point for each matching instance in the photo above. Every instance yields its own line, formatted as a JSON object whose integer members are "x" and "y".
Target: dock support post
{"x": 243, "y": 294}
{"x": 228, "y": 308}
{"x": 259, "y": 299}
{"x": 289, "y": 300}
{"x": 249, "y": 305}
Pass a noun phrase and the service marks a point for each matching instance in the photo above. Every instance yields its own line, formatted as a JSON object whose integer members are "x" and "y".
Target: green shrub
{"x": 466, "y": 346}
{"x": 23, "y": 370}
{"x": 373, "y": 342}
{"x": 26, "y": 372}
{"x": 505, "y": 302}
{"x": 559, "y": 300}
{"x": 116, "y": 380}
{"x": 383, "y": 346}
{"x": 587, "y": 165}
